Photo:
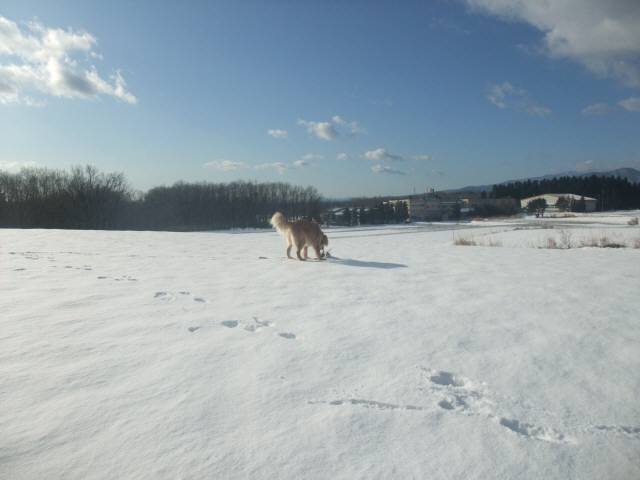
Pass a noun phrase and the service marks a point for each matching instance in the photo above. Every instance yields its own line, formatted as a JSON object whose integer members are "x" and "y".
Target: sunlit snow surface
{"x": 210, "y": 355}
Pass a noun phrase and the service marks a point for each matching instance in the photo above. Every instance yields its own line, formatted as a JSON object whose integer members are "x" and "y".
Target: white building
{"x": 570, "y": 199}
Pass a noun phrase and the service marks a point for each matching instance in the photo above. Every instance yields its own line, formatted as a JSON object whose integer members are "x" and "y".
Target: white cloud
{"x": 353, "y": 127}
{"x": 378, "y": 169}
{"x": 278, "y": 166}
{"x": 332, "y": 129}
{"x": 602, "y": 35}
{"x": 301, "y": 164}
{"x": 506, "y": 96}
{"x": 309, "y": 157}
{"x": 596, "y": 109}
{"x": 631, "y": 104}
{"x": 322, "y": 130}
{"x": 380, "y": 154}
{"x": 342, "y": 156}
{"x": 422, "y": 158}
{"x": 38, "y": 60}
{"x": 275, "y": 133}
{"x": 13, "y": 166}
{"x": 225, "y": 165}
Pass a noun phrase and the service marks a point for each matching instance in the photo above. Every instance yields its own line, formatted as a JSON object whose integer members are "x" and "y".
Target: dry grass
{"x": 604, "y": 242}
{"x": 566, "y": 239}
{"x": 564, "y": 243}
{"x": 590, "y": 242}
{"x": 551, "y": 243}
{"x": 567, "y": 243}
{"x": 466, "y": 242}
{"x": 471, "y": 242}
{"x": 633, "y": 221}
{"x": 636, "y": 243}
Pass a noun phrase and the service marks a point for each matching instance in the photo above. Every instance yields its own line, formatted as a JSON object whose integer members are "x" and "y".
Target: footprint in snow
{"x": 229, "y": 323}
{"x": 288, "y": 335}
{"x": 163, "y": 296}
{"x": 461, "y": 395}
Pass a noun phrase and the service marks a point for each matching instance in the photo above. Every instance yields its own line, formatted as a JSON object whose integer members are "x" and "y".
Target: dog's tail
{"x": 279, "y": 222}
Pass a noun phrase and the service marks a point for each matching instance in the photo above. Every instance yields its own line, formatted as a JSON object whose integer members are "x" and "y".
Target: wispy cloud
{"x": 276, "y": 133}
{"x": 380, "y": 154}
{"x": 352, "y": 127}
{"x": 631, "y": 104}
{"x": 310, "y": 157}
{"x": 225, "y": 165}
{"x": 332, "y": 129}
{"x": 14, "y": 166}
{"x": 277, "y": 166}
{"x": 596, "y": 109}
{"x": 601, "y": 35}
{"x": 301, "y": 164}
{"x": 342, "y": 156}
{"x": 422, "y": 158}
{"x": 505, "y": 96}
{"x": 585, "y": 166}
{"x": 383, "y": 169}
{"x": 42, "y": 61}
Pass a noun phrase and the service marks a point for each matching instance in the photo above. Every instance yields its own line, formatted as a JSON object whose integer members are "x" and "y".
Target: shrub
{"x": 606, "y": 243}
{"x": 633, "y": 221}
{"x": 551, "y": 243}
{"x": 465, "y": 242}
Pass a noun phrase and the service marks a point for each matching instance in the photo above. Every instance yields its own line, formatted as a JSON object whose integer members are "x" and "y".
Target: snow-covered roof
{"x": 571, "y": 196}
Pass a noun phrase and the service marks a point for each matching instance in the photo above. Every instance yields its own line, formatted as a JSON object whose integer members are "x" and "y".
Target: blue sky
{"x": 353, "y": 97}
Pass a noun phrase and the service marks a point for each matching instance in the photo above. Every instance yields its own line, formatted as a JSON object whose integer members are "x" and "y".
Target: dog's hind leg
{"x": 289, "y": 246}
{"x": 305, "y": 251}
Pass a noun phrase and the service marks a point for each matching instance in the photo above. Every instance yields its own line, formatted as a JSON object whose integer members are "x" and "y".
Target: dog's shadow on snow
{"x": 361, "y": 263}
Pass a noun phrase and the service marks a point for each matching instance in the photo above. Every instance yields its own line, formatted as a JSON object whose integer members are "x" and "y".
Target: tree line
{"x": 85, "y": 198}
{"x": 612, "y": 193}
{"x": 379, "y": 212}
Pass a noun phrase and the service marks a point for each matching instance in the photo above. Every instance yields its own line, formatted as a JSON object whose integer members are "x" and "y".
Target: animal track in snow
{"x": 367, "y": 404}
{"x": 460, "y": 394}
{"x": 532, "y": 431}
{"x": 164, "y": 296}
{"x": 263, "y": 323}
{"x": 288, "y": 335}
{"x": 171, "y": 296}
{"x": 229, "y": 323}
{"x": 618, "y": 429}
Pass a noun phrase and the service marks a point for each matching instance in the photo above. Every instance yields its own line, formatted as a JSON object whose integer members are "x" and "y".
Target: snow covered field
{"x": 209, "y": 355}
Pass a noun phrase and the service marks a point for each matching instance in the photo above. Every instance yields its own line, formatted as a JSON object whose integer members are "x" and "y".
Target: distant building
{"x": 563, "y": 201}
{"x": 432, "y": 206}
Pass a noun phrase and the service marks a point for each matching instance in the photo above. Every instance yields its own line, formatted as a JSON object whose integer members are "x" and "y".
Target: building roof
{"x": 572, "y": 196}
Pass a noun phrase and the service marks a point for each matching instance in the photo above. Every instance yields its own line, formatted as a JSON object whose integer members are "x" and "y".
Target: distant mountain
{"x": 630, "y": 174}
